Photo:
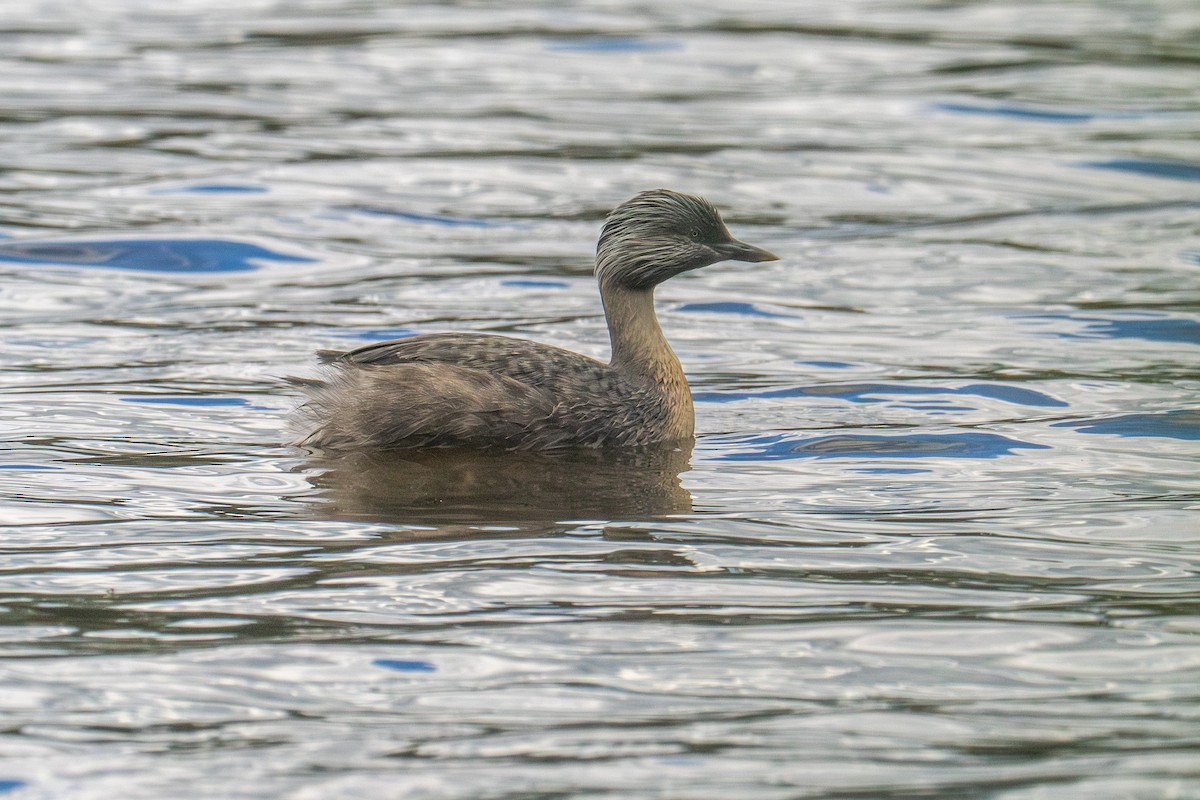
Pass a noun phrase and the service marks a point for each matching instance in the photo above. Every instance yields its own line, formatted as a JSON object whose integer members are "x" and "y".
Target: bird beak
{"x": 733, "y": 250}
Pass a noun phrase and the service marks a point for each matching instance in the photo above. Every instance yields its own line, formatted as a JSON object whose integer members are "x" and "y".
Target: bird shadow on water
{"x": 447, "y": 487}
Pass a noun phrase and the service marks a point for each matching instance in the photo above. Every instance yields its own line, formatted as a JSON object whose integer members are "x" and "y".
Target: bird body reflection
{"x": 443, "y": 487}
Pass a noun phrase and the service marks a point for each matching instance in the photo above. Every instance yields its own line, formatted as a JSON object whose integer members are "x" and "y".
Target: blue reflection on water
{"x": 613, "y": 44}
{"x": 187, "y": 400}
{"x": 216, "y": 188}
{"x": 826, "y": 364}
{"x": 1150, "y": 326}
{"x": 1172, "y": 170}
{"x": 534, "y": 284}
{"x": 745, "y": 309}
{"x": 1183, "y": 424}
{"x": 434, "y": 219}
{"x": 1157, "y": 330}
{"x": 1013, "y": 394}
{"x": 401, "y": 665}
{"x": 152, "y": 255}
{"x": 1020, "y": 112}
{"x": 7, "y": 786}
{"x": 378, "y": 334}
{"x": 877, "y": 392}
{"x": 916, "y": 445}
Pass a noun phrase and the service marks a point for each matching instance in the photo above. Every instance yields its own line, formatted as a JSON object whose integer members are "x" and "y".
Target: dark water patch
{"x": 445, "y": 220}
{"x": 1171, "y": 170}
{"x": 1148, "y": 326}
{"x": 24, "y": 467}
{"x": 402, "y": 665}
{"x": 613, "y": 44}
{"x": 1182, "y": 424}
{"x": 989, "y": 65}
{"x": 916, "y": 445}
{"x": 878, "y": 392}
{"x": 149, "y": 255}
{"x": 743, "y": 309}
{"x": 1018, "y": 112}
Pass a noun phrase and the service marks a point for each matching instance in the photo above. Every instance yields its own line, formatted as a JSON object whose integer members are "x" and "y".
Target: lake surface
{"x": 938, "y": 536}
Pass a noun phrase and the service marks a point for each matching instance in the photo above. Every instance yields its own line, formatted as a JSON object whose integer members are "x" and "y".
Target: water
{"x": 938, "y": 536}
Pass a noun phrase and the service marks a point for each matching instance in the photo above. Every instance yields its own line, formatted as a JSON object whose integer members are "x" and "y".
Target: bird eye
{"x": 695, "y": 233}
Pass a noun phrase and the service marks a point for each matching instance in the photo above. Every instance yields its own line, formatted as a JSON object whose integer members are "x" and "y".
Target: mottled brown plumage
{"x": 484, "y": 391}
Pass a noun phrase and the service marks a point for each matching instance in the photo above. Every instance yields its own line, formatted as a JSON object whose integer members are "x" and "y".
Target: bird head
{"x": 659, "y": 234}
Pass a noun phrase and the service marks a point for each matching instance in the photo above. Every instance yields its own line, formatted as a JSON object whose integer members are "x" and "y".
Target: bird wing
{"x": 439, "y": 347}
{"x": 458, "y": 389}
{"x": 423, "y": 405}
{"x": 481, "y": 350}
{"x": 551, "y": 368}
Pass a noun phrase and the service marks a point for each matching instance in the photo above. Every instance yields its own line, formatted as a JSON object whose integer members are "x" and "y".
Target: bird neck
{"x": 639, "y": 349}
{"x": 643, "y": 357}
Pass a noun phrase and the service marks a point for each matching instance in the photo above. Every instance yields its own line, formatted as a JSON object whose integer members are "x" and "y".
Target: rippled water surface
{"x": 938, "y": 536}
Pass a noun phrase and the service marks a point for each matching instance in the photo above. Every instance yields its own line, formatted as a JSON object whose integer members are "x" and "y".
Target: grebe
{"x": 472, "y": 391}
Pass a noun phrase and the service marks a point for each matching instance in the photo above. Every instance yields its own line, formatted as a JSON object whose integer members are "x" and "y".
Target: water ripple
{"x": 879, "y": 392}
{"x": 938, "y": 533}
{"x": 924, "y": 445}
